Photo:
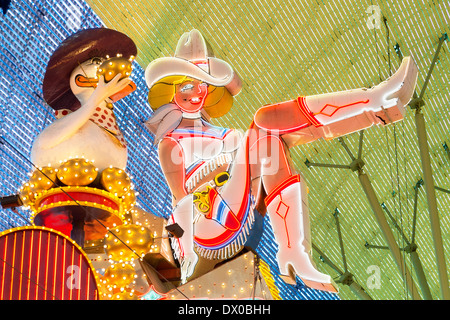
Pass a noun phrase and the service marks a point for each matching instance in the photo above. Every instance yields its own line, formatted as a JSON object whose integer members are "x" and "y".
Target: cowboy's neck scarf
{"x": 104, "y": 118}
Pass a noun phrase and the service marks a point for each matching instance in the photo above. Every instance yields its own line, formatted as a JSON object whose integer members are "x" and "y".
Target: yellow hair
{"x": 217, "y": 103}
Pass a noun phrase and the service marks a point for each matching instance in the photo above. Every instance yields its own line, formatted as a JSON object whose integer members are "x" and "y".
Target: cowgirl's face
{"x": 190, "y": 95}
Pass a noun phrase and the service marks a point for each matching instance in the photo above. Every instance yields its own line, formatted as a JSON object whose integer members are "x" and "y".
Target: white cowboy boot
{"x": 288, "y": 214}
{"x": 183, "y": 215}
{"x": 335, "y": 114}
{"x": 383, "y": 104}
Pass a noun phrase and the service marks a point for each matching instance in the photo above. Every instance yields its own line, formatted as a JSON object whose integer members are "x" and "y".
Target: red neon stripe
{"x": 55, "y": 266}
{"x": 69, "y": 271}
{"x": 26, "y": 263}
{"x": 47, "y": 253}
{"x": 22, "y": 241}
{"x": 283, "y": 185}
{"x": 8, "y": 274}
{"x": 193, "y": 170}
{"x": 14, "y": 270}
{"x": 183, "y": 135}
{"x": 79, "y": 278}
{"x": 4, "y": 266}
{"x": 88, "y": 282}
{"x": 63, "y": 269}
{"x": 38, "y": 265}
{"x": 79, "y": 196}
{"x": 34, "y": 280}
{"x": 32, "y": 260}
{"x": 284, "y": 131}
{"x": 29, "y": 266}
{"x": 71, "y": 262}
{"x": 13, "y": 267}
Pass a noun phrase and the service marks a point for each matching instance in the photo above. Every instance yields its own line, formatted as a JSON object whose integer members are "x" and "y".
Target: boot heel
{"x": 288, "y": 275}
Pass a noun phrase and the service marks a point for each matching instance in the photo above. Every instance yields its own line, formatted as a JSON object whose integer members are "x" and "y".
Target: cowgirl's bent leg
{"x": 287, "y": 206}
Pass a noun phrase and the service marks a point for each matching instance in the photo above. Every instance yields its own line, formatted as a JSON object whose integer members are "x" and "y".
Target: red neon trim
{"x": 79, "y": 196}
{"x": 29, "y": 245}
{"x": 79, "y": 276}
{"x": 212, "y": 195}
{"x": 284, "y": 220}
{"x": 46, "y": 266}
{"x": 55, "y": 270}
{"x": 63, "y": 269}
{"x": 183, "y": 135}
{"x": 3, "y": 269}
{"x": 283, "y": 185}
{"x": 199, "y": 61}
{"x": 193, "y": 170}
{"x": 338, "y": 107}
{"x": 227, "y": 234}
{"x": 13, "y": 267}
{"x": 36, "y": 292}
{"x": 21, "y": 264}
{"x": 301, "y": 101}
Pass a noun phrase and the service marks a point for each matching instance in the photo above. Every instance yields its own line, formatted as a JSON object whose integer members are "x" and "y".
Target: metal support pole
{"x": 359, "y": 291}
{"x": 410, "y": 248}
{"x": 432, "y": 204}
{"x": 418, "y": 268}
{"x": 394, "y": 222}
{"x": 417, "y": 103}
{"x": 346, "y": 278}
{"x": 416, "y": 197}
{"x": 373, "y": 246}
{"x": 325, "y": 165}
{"x": 388, "y": 235}
{"x": 421, "y": 278}
{"x": 357, "y": 165}
{"x": 442, "y": 189}
{"x": 341, "y": 243}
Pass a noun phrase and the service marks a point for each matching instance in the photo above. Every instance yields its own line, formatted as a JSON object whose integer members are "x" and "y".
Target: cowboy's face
{"x": 190, "y": 95}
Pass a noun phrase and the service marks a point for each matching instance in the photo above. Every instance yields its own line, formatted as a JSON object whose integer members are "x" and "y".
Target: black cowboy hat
{"x": 76, "y": 49}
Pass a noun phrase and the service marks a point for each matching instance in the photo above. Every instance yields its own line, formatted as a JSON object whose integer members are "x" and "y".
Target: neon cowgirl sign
{"x": 222, "y": 179}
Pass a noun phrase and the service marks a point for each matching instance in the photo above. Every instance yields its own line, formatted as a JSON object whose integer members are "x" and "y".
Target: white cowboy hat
{"x": 194, "y": 58}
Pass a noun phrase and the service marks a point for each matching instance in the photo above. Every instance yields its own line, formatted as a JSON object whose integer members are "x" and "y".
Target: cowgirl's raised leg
{"x": 332, "y": 115}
